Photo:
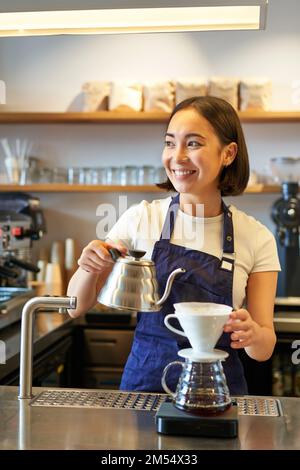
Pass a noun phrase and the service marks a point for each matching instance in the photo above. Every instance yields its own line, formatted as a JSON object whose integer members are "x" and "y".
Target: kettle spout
{"x": 169, "y": 285}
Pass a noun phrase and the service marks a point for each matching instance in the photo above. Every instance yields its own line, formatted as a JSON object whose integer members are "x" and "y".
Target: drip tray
{"x": 99, "y": 399}
{"x": 250, "y": 406}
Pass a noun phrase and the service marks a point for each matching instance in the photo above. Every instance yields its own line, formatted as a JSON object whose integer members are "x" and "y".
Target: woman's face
{"x": 193, "y": 155}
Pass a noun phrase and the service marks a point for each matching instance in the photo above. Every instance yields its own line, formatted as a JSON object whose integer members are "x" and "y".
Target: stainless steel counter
{"x": 27, "y": 427}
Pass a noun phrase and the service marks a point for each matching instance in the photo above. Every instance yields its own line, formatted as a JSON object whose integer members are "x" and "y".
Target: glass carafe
{"x": 201, "y": 389}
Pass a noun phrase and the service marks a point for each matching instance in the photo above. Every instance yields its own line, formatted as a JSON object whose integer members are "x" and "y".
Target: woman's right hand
{"x": 95, "y": 257}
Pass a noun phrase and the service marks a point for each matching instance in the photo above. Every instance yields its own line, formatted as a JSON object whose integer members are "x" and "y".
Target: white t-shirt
{"x": 255, "y": 247}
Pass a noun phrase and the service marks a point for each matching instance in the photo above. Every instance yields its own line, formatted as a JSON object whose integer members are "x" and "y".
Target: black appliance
{"x": 170, "y": 420}
{"x": 286, "y": 215}
{"x": 21, "y": 222}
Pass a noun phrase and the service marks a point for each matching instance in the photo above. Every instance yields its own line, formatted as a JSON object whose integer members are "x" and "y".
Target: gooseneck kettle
{"x": 132, "y": 284}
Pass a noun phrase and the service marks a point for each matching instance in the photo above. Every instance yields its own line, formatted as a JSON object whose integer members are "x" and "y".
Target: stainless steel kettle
{"x": 132, "y": 284}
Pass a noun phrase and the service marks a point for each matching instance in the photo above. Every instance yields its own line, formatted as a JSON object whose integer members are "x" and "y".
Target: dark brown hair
{"x": 226, "y": 124}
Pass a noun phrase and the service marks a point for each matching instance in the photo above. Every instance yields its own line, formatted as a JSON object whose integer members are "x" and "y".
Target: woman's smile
{"x": 182, "y": 174}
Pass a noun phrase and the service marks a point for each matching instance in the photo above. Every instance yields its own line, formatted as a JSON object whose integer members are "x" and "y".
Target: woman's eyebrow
{"x": 193, "y": 134}
{"x": 169, "y": 135}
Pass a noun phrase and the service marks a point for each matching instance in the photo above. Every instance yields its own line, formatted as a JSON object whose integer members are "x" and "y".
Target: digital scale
{"x": 170, "y": 420}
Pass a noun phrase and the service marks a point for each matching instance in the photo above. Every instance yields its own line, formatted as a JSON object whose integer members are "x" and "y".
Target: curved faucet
{"x": 28, "y": 311}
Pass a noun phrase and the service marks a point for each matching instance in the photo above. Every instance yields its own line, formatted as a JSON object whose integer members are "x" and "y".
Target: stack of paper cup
{"x": 53, "y": 280}
{"x": 41, "y": 264}
{"x": 39, "y": 283}
{"x": 71, "y": 256}
{"x": 58, "y": 257}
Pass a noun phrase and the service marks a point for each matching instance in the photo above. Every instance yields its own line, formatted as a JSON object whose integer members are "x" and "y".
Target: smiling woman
{"x": 229, "y": 257}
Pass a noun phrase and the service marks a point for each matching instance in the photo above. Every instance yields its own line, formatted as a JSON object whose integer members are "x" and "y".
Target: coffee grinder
{"x": 201, "y": 404}
{"x": 286, "y": 215}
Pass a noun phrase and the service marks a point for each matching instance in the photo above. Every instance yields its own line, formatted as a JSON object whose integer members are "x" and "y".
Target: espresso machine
{"x": 286, "y": 215}
{"x": 21, "y": 222}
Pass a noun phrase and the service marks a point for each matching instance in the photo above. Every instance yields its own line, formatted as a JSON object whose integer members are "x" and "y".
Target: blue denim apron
{"x": 207, "y": 279}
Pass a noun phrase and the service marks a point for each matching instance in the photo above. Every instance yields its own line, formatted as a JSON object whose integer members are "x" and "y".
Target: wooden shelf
{"x": 82, "y": 118}
{"x": 269, "y": 116}
{"x": 263, "y": 188}
{"x": 78, "y": 188}
{"x": 69, "y": 188}
{"x": 130, "y": 116}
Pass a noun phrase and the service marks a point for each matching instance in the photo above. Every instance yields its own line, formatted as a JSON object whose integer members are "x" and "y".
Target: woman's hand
{"x": 244, "y": 330}
{"x": 95, "y": 257}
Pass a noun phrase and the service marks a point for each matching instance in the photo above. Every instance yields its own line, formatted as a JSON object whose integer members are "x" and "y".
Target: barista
{"x": 230, "y": 258}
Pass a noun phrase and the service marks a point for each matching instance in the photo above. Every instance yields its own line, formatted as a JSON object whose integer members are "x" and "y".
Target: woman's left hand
{"x": 244, "y": 330}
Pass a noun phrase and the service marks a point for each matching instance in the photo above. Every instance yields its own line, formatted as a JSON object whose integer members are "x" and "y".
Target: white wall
{"x": 45, "y": 74}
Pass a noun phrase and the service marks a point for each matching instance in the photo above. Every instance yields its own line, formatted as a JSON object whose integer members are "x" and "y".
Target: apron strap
{"x": 169, "y": 222}
{"x": 228, "y": 257}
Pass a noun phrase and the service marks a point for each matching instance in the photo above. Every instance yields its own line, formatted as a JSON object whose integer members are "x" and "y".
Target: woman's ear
{"x": 230, "y": 152}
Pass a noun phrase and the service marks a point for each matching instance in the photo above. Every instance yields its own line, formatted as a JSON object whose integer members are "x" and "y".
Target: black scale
{"x": 170, "y": 420}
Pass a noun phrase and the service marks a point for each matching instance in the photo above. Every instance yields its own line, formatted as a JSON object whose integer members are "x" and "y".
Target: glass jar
{"x": 129, "y": 175}
{"x": 45, "y": 175}
{"x": 99, "y": 175}
{"x": 113, "y": 175}
{"x": 146, "y": 174}
{"x": 160, "y": 174}
{"x": 31, "y": 171}
{"x": 73, "y": 175}
{"x": 89, "y": 176}
{"x": 59, "y": 175}
{"x": 285, "y": 169}
{"x": 81, "y": 175}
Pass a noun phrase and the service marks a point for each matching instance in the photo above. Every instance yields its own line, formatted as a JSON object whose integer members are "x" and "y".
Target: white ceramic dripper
{"x": 202, "y": 323}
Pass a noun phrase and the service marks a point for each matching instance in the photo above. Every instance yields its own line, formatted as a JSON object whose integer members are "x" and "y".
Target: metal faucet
{"x": 28, "y": 311}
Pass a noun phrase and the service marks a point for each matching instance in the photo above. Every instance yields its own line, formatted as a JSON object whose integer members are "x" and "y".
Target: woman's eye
{"x": 194, "y": 143}
{"x": 169, "y": 143}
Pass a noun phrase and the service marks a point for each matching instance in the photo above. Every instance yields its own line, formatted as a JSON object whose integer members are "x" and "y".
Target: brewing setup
{"x": 215, "y": 421}
{"x": 201, "y": 404}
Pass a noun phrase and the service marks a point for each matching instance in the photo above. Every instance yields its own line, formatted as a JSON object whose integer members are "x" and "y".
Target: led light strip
{"x": 130, "y": 20}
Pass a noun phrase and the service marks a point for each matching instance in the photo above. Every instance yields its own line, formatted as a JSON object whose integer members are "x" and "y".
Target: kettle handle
{"x": 114, "y": 253}
{"x": 166, "y": 322}
{"x": 163, "y": 379}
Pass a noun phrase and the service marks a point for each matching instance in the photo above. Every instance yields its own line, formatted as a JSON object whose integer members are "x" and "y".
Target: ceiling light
{"x": 167, "y": 17}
